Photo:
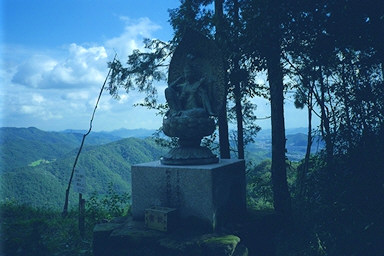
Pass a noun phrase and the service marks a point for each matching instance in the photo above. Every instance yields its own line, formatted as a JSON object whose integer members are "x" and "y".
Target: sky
{"x": 54, "y": 56}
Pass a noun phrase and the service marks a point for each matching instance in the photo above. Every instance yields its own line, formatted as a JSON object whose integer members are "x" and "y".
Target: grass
{"x": 38, "y": 162}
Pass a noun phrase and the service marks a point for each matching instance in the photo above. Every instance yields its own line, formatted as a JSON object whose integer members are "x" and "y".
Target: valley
{"x": 36, "y": 164}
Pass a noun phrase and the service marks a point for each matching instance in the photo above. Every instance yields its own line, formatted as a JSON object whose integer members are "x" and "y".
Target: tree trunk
{"x": 222, "y": 118}
{"x": 281, "y": 196}
{"x": 223, "y": 133}
{"x": 305, "y": 168}
{"x": 344, "y": 88}
{"x": 239, "y": 120}
{"x": 325, "y": 127}
{"x": 237, "y": 89}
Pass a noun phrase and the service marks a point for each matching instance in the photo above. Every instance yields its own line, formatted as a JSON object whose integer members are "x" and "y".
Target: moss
{"x": 105, "y": 227}
{"x": 132, "y": 236}
{"x": 228, "y": 239}
{"x": 219, "y": 245}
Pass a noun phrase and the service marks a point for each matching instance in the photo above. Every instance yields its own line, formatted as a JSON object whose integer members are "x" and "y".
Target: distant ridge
{"x": 127, "y": 133}
{"x": 36, "y": 172}
{"x": 120, "y": 133}
{"x": 18, "y": 145}
{"x": 35, "y": 164}
{"x": 21, "y": 146}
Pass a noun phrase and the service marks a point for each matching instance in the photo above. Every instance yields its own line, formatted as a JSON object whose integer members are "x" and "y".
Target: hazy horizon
{"x": 128, "y": 129}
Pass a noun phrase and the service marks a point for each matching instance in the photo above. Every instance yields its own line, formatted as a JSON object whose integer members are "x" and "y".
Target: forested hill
{"x": 36, "y": 165}
{"x": 41, "y": 178}
{"x": 22, "y": 146}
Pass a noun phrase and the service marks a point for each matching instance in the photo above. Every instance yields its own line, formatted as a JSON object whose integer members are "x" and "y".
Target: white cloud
{"x": 79, "y": 65}
{"x": 29, "y": 109}
{"x": 78, "y": 95}
{"x": 31, "y": 72}
{"x": 41, "y": 112}
{"x": 134, "y": 33}
{"x": 76, "y": 66}
{"x": 37, "y": 98}
{"x": 57, "y": 89}
{"x": 123, "y": 99}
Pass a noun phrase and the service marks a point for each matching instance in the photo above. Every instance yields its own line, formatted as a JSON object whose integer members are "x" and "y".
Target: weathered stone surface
{"x": 105, "y": 228}
{"x": 195, "y": 93}
{"x": 101, "y": 234}
{"x": 188, "y": 127}
{"x": 132, "y": 238}
{"x": 256, "y": 230}
{"x": 190, "y": 131}
{"x": 102, "y": 231}
{"x": 213, "y": 193}
{"x": 185, "y": 155}
{"x": 219, "y": 245}
{"x": 135, "y": 235}
{"x": 240, "y": 250}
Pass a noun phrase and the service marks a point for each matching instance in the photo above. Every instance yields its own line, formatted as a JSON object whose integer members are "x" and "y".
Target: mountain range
{"x": 36, "y": 165}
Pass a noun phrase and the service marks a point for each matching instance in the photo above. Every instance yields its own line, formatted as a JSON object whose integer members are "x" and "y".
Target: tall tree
{"x": 334, "y": 44}
{"x": 222, "y": 118}
{"x": 279, "y": 176}
{"x": 237, "y": 75}
{"x": 264, "y": 28}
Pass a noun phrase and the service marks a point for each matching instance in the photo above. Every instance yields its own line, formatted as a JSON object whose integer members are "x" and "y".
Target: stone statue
{"x": 189, "y": 94}
{"x": 194, "y": 95}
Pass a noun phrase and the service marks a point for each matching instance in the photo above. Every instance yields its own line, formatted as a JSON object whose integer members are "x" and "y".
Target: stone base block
{"x": 213, "y": 193}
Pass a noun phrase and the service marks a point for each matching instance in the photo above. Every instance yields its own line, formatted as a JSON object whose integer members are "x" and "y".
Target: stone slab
{"x": 133, "y": 238}
{"x": 214, "y": 193}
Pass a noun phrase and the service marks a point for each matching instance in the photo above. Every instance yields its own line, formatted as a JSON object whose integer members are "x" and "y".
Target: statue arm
{"x": 175, "y": 83}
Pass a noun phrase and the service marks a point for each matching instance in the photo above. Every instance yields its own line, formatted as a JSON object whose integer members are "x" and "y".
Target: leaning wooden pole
{"x": 65, "y": 209}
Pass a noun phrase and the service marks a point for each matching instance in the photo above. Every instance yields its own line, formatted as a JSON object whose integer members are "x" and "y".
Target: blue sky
{"x": 54, "y": 62}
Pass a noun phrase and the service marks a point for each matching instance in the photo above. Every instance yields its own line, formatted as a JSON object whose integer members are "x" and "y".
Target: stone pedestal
{"x": 213, "y": 193}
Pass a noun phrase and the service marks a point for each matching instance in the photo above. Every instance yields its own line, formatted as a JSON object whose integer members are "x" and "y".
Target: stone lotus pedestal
{"x": 190, "y": 130}
{"x": 212, "y": 193}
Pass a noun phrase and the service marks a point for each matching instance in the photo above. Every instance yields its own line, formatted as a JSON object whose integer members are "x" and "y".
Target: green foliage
{"x": 192, "y": 15}
{"x": 38, "y": 162}
{"x": 143, "y": 69}
{"x": 44, "y": 185}
{"x": 108, "y": 206}
{"x": 257, "y": 153}
{"x": 341, "y": 208}
{"x": 259, "y": 186}
{"x": 22, "y": 146}
{"x": 30, "y": 231}
{"x": 33, "y": 186}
